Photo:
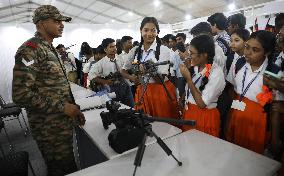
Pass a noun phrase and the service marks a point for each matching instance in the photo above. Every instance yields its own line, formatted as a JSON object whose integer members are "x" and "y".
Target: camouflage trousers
{"x": 53, "y": 134}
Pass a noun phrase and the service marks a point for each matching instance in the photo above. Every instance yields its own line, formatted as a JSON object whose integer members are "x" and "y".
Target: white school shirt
{"x": 231, "y": 73}
{"x": 172, "y": 57}
{"x": 124, "y": 56}
{"x": 220, "y": 58}
{"x": 165, "y": 55}
{"x": 177, "y": 61}
{"x": 223, "y": 35}
{"x": 104, "y": 67}
{"x": 68, "y": 66}
{"x": 87, "y": 65}
{"x": 213, "y": 89}
{"x": 277, "y": 94}
{"x": 256, "y": 86}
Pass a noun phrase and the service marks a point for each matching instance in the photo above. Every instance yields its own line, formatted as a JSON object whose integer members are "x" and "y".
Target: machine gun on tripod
{"x": 132, "y": 129}
{"x": 150, "y": 70}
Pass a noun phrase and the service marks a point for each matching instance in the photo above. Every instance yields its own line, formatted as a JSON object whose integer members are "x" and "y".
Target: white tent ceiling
{"x": 119, "y": 11}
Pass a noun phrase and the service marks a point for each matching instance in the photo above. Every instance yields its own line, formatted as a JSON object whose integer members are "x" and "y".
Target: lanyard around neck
{"x": 195, "y": 82}
{"x": 148, "y": 53}
{"x": 244, "y": 91}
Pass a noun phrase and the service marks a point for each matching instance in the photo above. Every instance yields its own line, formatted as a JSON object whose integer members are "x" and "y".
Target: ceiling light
{"x": 112, "y": 20}
{"x": 187, "y": 17}
{"x": 232, "y": 6}
{"x": 157, "y": 3}
{"x": 130, "y": 13}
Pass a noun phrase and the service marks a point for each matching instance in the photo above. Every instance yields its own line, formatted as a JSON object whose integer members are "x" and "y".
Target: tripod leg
{"x": 164, "y": 146}
{"x": 144, "y": 88}
{"x": 162, "y": 82}
{"x": 140, "y": 153}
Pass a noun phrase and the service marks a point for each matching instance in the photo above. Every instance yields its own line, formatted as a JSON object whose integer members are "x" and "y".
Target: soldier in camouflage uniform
{"x": 41, "y": 86}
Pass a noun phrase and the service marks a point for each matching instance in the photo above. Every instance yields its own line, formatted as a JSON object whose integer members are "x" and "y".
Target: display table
{"x": 201, "y": 154}
{"x": 76, "y": 87}
{"x": 80, "y": 92}
{"x": 99, "y": 136}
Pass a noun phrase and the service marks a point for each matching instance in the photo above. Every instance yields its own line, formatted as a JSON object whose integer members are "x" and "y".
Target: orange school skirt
{"x": 156, "y": 102}
{"x": 207, "y": 120}
{"x": 248, "y": 128}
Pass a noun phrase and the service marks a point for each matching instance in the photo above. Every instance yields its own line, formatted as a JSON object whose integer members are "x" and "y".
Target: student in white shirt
{"x": 176, "y": 61}
{"x": 68, "y": 60}
{"x": 277, "y": 107}
{"x": 247, "y": 120}
{"x": 220, "y": 60}
{"x": 89, "y": 61}
{"x": 111, "y": 65}
{"x": 205, "y": 28}
{"x": 155, "y": 101}
{"x": 238, "y": 39}
{"x": 218, "y": 22}
{"x": 126, "y": 42}
{"x": 205, "y": 83}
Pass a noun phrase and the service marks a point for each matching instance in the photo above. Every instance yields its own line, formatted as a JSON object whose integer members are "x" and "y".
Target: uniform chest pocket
{"x": 51, "y": 65}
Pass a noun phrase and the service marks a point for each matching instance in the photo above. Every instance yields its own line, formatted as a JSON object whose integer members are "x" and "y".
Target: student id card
{"x": 238, "y": 105}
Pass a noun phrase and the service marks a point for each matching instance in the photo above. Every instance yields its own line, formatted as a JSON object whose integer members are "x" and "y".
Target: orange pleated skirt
{"x": 207, "y": 120}
{"x": 156, "y": 102}
{"x": 248, "y": 128}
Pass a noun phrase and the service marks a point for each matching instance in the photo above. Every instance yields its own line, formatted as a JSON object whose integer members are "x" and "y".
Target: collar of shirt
{"x": 91, "y": 59}
{"x": 223, "y": 35}
{"x": 261, "y": 68}
{"x": 37, "y": 35}
{"x": 176, "y": 51}
{"x": 123, "y": 53}
{"x": 152, "y": 47}
{"x": 108, "y": 59}
{"x": 236, "y": 56}
{"x": 202, "y": 72}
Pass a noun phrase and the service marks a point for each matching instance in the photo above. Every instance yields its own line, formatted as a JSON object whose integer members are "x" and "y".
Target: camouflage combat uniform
{"x": 40, "y": 85}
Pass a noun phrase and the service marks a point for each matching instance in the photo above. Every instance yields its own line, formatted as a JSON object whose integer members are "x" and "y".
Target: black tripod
{"x": 142, "y": 146}
{"x": 152, "y": 73}
{"x": 147, "y": 128}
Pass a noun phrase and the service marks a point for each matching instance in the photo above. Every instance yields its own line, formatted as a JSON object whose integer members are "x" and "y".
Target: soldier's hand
{"x": 74, "y": 112}
{"x": 81, "y": 118}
